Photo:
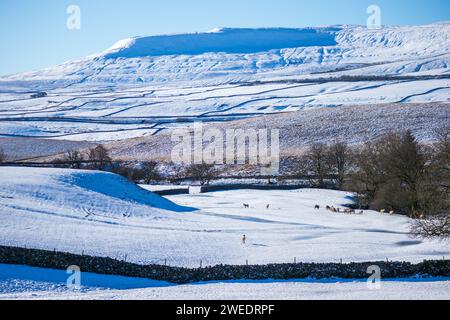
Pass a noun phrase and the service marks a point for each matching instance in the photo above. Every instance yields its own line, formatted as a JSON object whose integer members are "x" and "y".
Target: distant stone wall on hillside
{"x": 101, "y": 265}
{"x": 172, "y": 192}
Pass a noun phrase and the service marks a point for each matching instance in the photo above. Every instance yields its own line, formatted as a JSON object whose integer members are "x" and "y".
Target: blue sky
{"x": 34, "y": 35}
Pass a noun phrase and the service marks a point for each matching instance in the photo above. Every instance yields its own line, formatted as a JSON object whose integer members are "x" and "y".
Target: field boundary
{"x": 108, "y": 266}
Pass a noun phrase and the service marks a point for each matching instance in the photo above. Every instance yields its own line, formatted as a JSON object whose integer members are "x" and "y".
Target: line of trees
{"x": 146, "y": 172}
{"x": 96, "y": 158}
{"x": 394, "y": 173}
{"x": 326, "y": 165}
{"x": 398, "y": 173}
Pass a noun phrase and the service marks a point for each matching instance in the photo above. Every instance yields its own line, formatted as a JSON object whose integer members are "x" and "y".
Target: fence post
{"x": 295, "y": 260}
{"x": 201, "y": 263}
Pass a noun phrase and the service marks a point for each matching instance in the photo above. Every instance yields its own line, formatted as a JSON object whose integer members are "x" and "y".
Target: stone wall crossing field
{"x": 102, "y": 265}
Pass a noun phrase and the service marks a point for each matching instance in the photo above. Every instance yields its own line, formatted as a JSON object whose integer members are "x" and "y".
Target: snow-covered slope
{"x": 142, "y": 85}
{"x": 100, "y": 214}
{"x": 79, "y": 194}
{"x": 234, "y": 54}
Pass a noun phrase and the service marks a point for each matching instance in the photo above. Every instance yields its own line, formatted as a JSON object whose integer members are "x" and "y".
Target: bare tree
{"x": 405, "y": 161}
{"x": 315, "y": 165}
{"x": 366, "y": 181}
{"x": 203, "y": 173}
{"x": 441, "y": 157}
{"x": 435, "y": 227}
{"x": 75, "y": 158}
{"x": 340, "y": 158}
{"x": 99, "y": 157}
{"x": 435, "y": 192}
{"x": 150, "y": 172}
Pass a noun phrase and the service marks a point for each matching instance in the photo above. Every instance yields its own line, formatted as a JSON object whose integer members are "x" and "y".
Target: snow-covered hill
{"x": 227, "y": 55}
{"x": 20, "y": 282}
{"x": 101, "y": 214}
{"x": 145, "y": 84}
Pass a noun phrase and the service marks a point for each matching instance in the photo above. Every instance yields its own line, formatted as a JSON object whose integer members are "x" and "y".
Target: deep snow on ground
{"x": 145, "y": 84}
{"x": 19, "y": 282}
{"x": 102, "y": 214}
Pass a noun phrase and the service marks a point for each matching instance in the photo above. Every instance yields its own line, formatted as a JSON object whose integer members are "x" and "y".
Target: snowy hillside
{"x": 79, "y": 194}
{"x": 222, "y": 40}
{"x": 65, "y": 210}
{"x": 143, "y": 85}
{"x": 298, "y": 130}
{"x": 237, "y": 54}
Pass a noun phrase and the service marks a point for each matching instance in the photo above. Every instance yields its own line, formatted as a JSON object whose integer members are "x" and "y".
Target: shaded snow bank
{"x": 80, "y": 193}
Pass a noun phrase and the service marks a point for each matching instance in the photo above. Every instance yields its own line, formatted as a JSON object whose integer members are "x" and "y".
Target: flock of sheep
{"x": 350, "y": 211}
{"x": 334, "y": 210}
{"x": 339, "y": 210}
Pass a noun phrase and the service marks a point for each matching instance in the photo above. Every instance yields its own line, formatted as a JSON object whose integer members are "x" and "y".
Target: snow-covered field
{"x": 102, "y": 214}
{"x": 19, "y": 282}
{"x": 143, "y": 85}
{"x": 344, "y": 82}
